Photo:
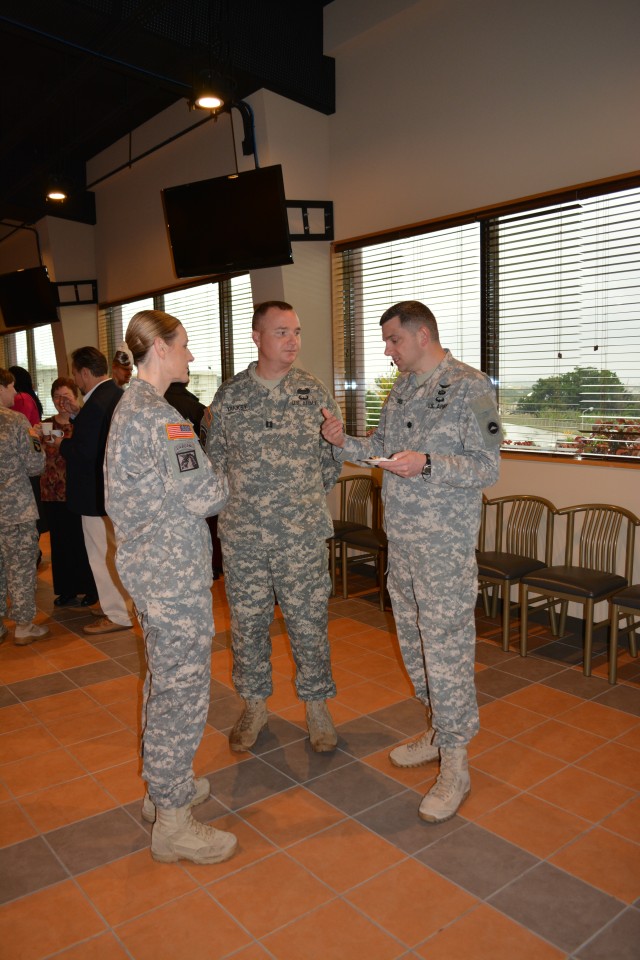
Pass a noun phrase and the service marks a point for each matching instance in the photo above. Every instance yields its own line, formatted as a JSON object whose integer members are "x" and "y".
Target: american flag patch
{"x": 179, "y": 431}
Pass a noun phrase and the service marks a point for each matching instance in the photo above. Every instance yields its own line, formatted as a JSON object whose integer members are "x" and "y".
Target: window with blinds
{"x": 33, "y": 350}
{"x": 217, "y": 318}
{"x": 546, "y": 301}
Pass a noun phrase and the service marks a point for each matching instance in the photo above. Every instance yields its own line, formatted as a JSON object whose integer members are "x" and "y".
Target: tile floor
{"x": 542, "y": 862}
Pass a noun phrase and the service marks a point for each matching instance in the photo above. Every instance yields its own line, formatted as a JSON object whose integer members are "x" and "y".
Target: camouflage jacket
{"x": 159, "y": 488}
{"x": 22, "y": 457}
{"x": 280, "y": 469}
{"x": 452, "y": 417}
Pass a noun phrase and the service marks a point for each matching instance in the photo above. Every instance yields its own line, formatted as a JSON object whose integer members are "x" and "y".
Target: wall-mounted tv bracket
{"x": 304, "y": 206}
{"x": 80, "y": 292}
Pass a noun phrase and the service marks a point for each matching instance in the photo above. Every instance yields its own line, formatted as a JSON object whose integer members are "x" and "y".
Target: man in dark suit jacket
{"x": 84, "y": 453}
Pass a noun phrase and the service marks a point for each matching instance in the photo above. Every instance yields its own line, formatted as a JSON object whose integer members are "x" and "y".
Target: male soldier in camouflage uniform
{"x": 441, "y": 428}
{"x": 159, "y": 488}
{"x": 263, "y": 431}
{"x": 22, "y": 457}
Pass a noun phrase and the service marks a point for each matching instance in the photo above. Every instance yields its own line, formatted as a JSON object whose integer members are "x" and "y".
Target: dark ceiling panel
{"x": 77, "y": 76}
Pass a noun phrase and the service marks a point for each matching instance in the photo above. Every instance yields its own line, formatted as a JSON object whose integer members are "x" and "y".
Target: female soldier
{"x": 159, "y": 489}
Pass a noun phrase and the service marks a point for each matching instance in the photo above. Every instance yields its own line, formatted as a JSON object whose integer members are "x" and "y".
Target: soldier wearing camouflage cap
{"x": 159, "y": 489}
{"x": 263, "y": 431}
{"x": 441, "y": 431}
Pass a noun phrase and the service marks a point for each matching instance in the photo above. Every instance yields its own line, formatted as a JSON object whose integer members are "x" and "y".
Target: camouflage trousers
{"x": 298, "y": 576}
{"x": 177, "y": 638}
{"x": 433, "y": 597}
{"x": 18, "y": 558}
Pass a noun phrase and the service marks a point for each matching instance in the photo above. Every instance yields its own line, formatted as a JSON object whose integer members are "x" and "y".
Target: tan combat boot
{"x": 203, "y": 791}
{"x": 450, "y": 789}
{"x": 416, "y": 752}
{"x": 177, "y": 836}
{"x": 322, "y": 732}
{"x": 248, "y": 726}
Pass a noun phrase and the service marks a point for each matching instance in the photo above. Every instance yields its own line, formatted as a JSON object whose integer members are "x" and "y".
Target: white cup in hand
{"x": 46, "y": 429}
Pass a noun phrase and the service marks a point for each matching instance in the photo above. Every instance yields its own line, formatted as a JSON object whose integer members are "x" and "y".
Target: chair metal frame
{"x": 370, "y": 542}
{"x": 594, "y": 554}
{"x": 516, "y": 549}
{"x": 356, "y": 493}
{"x": 624, "y": 604}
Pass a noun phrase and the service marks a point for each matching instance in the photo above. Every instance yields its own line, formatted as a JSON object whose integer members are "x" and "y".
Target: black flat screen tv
{"x": 27, "y": 299}
{"x": 228, "y": 224}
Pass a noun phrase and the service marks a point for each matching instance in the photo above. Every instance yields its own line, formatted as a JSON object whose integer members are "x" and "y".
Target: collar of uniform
{"x": 411, "y": 382}
{"x": 287, "y": 384}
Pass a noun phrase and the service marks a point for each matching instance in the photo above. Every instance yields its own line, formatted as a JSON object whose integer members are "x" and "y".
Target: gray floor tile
{"x": 355, "y": 787}
{"x": 7, "y": 698}
{"x": 132, "y": 663}
{"x": 575, "y": 682}
{"x": 557, "y": 906}
{"x": 90, "y": 843}
{"x": 39, "y": 687}
{"x": 300, "y": 762}
{"x": 496, "y": 683}
{"x": 531, "y": 668}
{"x": 477, "y": 860}
{"x": 363, "y": 736}
{"x": 621, "y": 698}
{"x": 120, "y": 645}
{"x": 398, "y": 822}
{"x": 278, "y": 733}
{"x": 620, "y": 940}
{"x": 407, "y": 716}
{"x": 248, "y": 782}
{"x": 27, "y": 867}
{"x": 223, "y": 713}
{"x": 95, "y": 672}
{"x": 491, "y": 654}
{"x": 561, "y": 652}
{"x": 221, "y": 692}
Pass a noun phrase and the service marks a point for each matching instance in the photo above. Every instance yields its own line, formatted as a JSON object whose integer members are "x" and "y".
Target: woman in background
{"x": 70, "y": 565}
{"x": 27, "y": 400}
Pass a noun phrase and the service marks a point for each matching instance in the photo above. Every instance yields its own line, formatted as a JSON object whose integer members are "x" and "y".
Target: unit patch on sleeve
{"x": 184, "y": 449}
{"x": 488, "y": 421}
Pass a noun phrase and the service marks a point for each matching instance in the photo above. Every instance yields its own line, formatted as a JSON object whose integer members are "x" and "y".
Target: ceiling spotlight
{"x": 55, "y": 190}
{"x": 207, "y": 93}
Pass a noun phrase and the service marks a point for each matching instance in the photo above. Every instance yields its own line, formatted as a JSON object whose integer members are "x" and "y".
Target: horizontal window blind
{"x": 33, "y": 350}
{"x": 546, "y": 300}
{"x": 566, "y": 316}
{"x": 199, "y": 310}
{"x": 217, "y": 317}
{"x": 441, "y": 269}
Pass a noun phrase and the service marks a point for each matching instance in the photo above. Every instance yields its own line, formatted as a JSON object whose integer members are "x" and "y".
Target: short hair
{"x": 65, "y": 382}
{"x": 262, "y": 308}
{"x": 89, "y": 358}
{"x": 6, "y": 378}
{"x": 143, "y": 329}
{"x": 412, "y": 313}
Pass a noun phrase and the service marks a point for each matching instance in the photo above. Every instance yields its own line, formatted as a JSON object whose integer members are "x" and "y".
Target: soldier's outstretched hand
{"x": 332, "y": 429}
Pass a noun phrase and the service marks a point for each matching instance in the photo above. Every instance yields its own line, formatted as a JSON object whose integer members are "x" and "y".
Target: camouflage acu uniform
{"x": 432, "y": 525}
{"x": 22, "y": 457}
{"x": 274, "y": 527}
{"x": 159, "y": 488}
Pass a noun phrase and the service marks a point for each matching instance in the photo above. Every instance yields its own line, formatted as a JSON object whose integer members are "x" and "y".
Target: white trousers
{"x": 100, "y": 541}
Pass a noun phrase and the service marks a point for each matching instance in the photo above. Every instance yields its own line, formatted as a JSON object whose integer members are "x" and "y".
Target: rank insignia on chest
{"x": 179, "y": 431}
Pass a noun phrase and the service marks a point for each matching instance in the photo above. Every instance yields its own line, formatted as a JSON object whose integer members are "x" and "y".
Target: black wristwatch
{"x": 426, "y": 470}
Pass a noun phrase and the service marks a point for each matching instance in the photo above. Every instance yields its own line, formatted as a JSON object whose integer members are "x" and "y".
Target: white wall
{"x": 451, "y": 105}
